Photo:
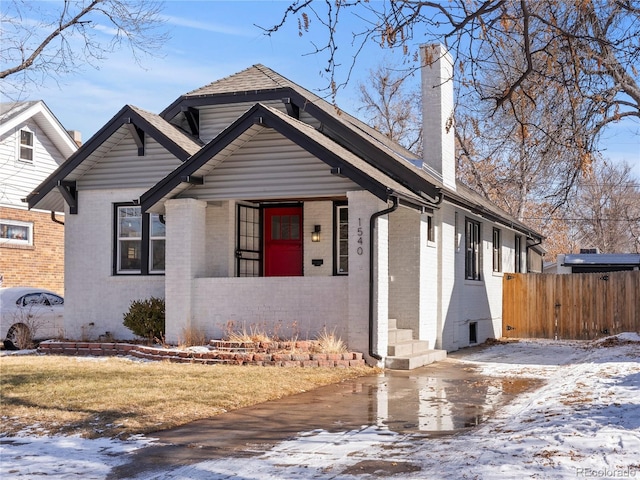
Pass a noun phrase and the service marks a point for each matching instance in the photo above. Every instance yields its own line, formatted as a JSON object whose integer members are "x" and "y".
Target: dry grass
{"x": 192, "y": 337}
{"x": 117, "y": 397}
{"x": 328, "y": 342}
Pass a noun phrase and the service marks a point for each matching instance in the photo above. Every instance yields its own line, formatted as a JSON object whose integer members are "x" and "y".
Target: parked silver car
{"x": 28, "y": 314}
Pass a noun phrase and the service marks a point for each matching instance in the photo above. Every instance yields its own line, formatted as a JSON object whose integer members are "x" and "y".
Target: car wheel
{"x": 18, "y": 337}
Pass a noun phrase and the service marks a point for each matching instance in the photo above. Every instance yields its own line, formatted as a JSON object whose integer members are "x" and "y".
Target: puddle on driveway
{"x": 437, "y": 400}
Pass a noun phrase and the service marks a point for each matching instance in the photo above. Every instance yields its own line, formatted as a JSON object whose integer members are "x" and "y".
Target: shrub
{"x": 145, "y": 318}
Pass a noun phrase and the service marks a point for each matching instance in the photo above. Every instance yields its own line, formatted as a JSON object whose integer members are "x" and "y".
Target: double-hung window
{"x": 518, "y": 256}
{"x": 157, "y": 235}
{"x": 140, "y": 241}
{"x": 497, "y": 250}
{"x": 473, "y": 244}
{"x": 129, "y": 258}
{"x": 26, "y": 146}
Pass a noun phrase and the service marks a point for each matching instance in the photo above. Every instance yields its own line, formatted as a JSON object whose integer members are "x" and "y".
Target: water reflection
{"x": 432, "y": 401}
{"x": 429, "y": 401}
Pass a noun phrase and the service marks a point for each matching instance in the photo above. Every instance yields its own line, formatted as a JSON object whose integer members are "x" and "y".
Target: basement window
{"x": 473, "y": 333}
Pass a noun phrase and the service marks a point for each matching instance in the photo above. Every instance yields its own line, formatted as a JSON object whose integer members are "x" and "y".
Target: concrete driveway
{"x": 437, "y": 400}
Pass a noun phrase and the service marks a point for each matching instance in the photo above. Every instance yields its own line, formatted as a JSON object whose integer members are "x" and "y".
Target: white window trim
{"x": 28, "y": 242}
{"x": 32, "y": 147}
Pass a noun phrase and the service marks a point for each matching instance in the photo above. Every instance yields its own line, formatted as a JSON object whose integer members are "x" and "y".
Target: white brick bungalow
{"x": 253, "y": 201}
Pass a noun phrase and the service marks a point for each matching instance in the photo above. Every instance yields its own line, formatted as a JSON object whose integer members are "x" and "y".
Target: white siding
{"x": 122, "y": 166}
{"x": 18, "y": 178}
{"x": 270, "y": 166}
{"x": 216, "y": 118}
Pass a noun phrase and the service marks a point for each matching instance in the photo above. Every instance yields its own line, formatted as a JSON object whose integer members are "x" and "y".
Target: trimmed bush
{"x": 145, "y": 318}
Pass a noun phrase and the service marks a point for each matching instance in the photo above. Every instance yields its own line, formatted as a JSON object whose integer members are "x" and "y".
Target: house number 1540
{"x": 360, "y": 240}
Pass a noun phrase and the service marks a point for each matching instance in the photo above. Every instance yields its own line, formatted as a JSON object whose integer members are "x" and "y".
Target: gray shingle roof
{"x": 261, "y": 78}
{"x": 186, "y": 142}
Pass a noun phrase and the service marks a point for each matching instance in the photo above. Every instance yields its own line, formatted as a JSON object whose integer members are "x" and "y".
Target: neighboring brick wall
{"x": 37, "y": 265}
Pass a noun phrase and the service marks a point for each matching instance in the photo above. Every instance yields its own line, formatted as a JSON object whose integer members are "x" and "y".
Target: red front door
{"x": 282, "y": 241}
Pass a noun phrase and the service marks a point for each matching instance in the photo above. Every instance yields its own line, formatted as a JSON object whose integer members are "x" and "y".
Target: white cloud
{"x": 206, "y": 26}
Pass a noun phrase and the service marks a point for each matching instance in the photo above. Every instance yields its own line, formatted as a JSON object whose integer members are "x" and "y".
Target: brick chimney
{"x": 437, "y": 112}
{"x": 76, "y": 136}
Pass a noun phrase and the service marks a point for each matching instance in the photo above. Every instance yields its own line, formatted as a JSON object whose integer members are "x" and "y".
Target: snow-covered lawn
{"x": 584, "y": 422}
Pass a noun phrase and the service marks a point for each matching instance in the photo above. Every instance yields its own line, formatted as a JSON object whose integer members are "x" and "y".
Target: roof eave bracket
{"x": 137, "y": 134}
{"x": 192, "y": 115}
{"x": 70, "y": 194}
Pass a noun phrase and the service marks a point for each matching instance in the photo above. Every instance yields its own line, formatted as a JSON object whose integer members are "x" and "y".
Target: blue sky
{"x": 212, "y": 39}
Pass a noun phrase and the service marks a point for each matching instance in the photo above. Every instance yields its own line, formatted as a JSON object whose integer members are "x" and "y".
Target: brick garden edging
{"x": 288, "y": 354}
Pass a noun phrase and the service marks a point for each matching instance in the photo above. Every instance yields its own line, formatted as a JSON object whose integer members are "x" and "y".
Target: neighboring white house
{"x": 253, "y": 202}
{"x": 32, "y": 145}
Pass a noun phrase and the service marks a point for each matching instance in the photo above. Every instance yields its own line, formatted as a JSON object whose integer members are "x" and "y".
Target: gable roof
{"x": 13, "y": 114}
{"x": 259, "y": 83}
{"x": 260, "y": 117}
{"x": 174, "y": 140}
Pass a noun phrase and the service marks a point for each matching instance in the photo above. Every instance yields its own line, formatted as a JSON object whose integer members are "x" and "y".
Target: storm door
{"x": 248, "y": 253}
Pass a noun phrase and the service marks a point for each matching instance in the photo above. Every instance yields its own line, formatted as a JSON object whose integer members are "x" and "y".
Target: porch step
{"x": 405, "y": 353}
{"x": 400, "y": 335}
{"x": 409, "y": 347}
{"x": 409, "y": 362}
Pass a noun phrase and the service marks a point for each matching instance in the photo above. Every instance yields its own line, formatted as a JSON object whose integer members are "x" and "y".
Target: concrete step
{"x": 399, "y": 335}
{"x": 407, "y": 348}
{"x": 393, "y": 323}
{"x": 409, "y": 362}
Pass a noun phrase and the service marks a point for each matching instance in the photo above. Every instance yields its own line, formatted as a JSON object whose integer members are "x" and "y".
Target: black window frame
{"x": 473, "y": 250}
{"x": 518, "y": 254}
{"x": 337, "y": 206}
{"x": 145, "y": 239}
{"x": 431, "y": 230}
{"x": 496, "y": 242}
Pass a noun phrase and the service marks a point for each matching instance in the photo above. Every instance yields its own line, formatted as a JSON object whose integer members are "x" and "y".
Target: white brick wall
{"x": 318, "y": 213}
{"x": 361, "y": 206}
{"x": 95, "y": 300}
{"x": 185, "y": 251}
{"x": 405, "y": 267}
{"x": 284, "y": 306}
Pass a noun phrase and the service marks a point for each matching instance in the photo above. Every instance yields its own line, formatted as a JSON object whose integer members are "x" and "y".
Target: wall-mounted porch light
{"x": 315, "y": 235}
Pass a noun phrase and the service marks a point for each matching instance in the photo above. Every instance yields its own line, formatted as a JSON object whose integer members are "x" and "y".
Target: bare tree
{"x": 607, "y": 210}
{"x": 585, "y": 53}
{"x": 46, "y": 39}
{"x": 392, "y": 107}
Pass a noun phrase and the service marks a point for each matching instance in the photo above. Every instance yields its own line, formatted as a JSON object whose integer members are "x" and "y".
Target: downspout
{"x": 54, "y": 219}
{"x": 527, "y": 248}
{"x": 372, "y": 227}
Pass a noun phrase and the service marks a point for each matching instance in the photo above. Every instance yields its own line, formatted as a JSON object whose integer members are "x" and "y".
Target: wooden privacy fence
{"x": 580, "y": 306}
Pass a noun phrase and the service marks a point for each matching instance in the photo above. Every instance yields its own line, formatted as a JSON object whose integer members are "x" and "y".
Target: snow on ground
{"x": 584, "y": 422}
